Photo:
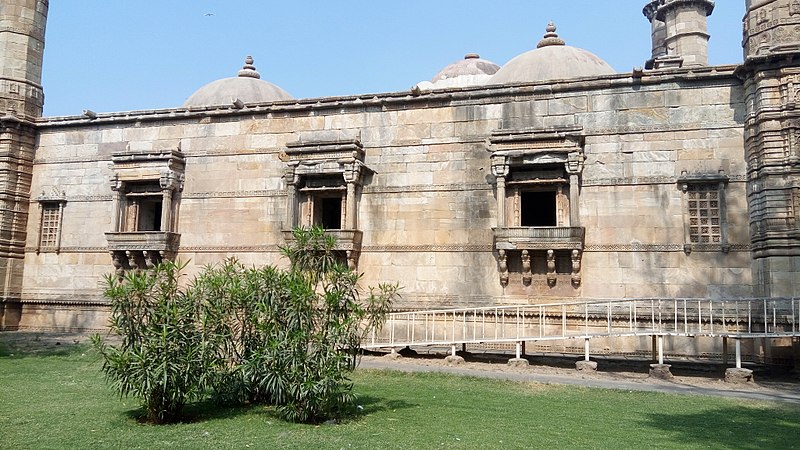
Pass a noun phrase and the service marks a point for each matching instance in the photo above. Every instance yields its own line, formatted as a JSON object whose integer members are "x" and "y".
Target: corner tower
{"x": 771, "y": 76}
{"x": 679, "y": 32}
{"x": 22, "y": 26}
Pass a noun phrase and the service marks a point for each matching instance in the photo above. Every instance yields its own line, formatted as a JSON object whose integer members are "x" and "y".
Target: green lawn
{"x": 60, "y": 400}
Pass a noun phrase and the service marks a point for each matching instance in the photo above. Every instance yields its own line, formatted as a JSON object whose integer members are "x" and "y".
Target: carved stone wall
{"x": 772, "y": 143}
{"x": 22, "y": 25}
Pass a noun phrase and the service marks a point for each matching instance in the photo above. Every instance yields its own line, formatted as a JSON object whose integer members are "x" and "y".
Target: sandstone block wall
{"x": 428, "y": 206}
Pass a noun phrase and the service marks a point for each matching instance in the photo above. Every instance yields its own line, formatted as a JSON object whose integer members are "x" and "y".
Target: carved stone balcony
{"x": 539, "y": 238}
{"x": 549, "y": 239}
{"x": 347, "y": 241}
{"x": 141, "y": 249}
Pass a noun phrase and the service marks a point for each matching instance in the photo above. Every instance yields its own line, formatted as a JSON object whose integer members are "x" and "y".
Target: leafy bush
{"x": 162, "y": 358}
{"x": 290, "y": 337}
{"x": 250, "y": 335}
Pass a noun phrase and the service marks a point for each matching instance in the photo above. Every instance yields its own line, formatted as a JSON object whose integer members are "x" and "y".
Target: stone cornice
{"x": 400, "y": 100}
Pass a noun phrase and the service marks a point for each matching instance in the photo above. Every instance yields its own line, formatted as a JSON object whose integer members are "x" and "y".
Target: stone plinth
{"x": 660, "y": 371}
{"x": 738, "y": 376}
{"x": 393, "y": 355}
{"x": 454, "y": 360}
{"x": 518, "y": 362}
{"x": 586, "y": 366}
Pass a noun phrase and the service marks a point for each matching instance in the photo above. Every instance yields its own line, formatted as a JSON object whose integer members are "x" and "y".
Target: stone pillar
{"x": 116, "y": 205}
{"x": 166, "y": 210}
{"x": 500, "y": 172}
{"x": 352, "y": 176}
{"x": 574, "y": 167}
{"x": 291, "y": 198}
{"x": 574, "y": 202}
{"x": 350, "y": 208}
{"x": 22, "y": 27}
{"x": 501, "y": 202}
{"x": 686, "y": 29}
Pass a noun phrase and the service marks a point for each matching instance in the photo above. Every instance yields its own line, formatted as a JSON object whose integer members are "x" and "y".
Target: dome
{"x": 551, "y": 60}
{"x": 248, "y": 87}
{"x": 470, "y": 71}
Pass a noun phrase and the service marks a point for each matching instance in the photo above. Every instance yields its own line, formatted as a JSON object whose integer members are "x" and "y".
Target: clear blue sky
{"x": 117, "y": 55}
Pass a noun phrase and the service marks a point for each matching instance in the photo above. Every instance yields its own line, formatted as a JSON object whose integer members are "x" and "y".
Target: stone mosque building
{"x": 551, "y": 178}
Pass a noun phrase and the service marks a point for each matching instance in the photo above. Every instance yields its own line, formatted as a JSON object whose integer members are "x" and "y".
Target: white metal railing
{"x": 741, "y": 318}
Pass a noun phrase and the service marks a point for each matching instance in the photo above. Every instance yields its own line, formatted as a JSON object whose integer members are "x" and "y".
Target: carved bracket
{"x": 576, "y": 268}
{"x": 551, "y": 268}
{"x": 502, "y": 261}
{"x": 526, "y": 268}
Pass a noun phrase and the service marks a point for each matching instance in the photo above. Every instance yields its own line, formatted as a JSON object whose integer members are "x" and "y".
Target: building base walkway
{"x": 771, "y": 391}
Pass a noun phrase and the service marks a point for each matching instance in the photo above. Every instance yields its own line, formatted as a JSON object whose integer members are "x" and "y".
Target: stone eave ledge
{"x": 397, "y": 100}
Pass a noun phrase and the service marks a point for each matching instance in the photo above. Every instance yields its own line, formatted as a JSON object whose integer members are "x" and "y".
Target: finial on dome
{"x": 472, "y": 56}
{"x": 550, "y": 37}
{"x": 249, "y": 70}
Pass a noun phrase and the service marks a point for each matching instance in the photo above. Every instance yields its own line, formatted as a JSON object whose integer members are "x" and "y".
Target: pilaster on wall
{"x": 22, "y": 29}
{"x": 771, "y": 75}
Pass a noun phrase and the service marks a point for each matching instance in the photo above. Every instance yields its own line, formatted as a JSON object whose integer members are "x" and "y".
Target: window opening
{"x": 149, "y": 214}
{"x": 144, "y": 207}
{"x": 330, "y": 213}
{"x": 51, "y": 221}
{"x": 538, "y": 209}
{"x": 704, "y": 214}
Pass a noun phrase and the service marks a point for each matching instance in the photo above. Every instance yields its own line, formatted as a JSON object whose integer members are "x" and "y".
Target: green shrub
{"x": 288, "y": 338}
{"x": 161, "y": 358}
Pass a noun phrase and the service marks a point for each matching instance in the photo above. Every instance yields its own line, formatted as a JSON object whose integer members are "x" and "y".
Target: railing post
{"x": 738, "y": 353}
{"x": 660, "y": 349}
{"x": 724, "y": 351}
{"x": 586, "y": 349}
{"x": 519, "y": 349}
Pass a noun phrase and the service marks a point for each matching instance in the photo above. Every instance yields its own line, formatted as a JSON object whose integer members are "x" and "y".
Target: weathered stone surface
{"x": 454, "y": 360}
{"x": 660, "y": 371}
{"x": 518, "y": 362}
{"x": 586, "y": 366}
{"x": 738, "y": 376}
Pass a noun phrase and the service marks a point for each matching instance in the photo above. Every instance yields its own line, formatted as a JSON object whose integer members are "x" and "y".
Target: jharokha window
{"x": 537, "y": 187}
{"x": 323, "y": 185}
{"x": 146, "y": 192}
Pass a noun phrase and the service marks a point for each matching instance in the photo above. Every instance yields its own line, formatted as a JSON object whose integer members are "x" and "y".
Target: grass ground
{"x": 58, "y": 399}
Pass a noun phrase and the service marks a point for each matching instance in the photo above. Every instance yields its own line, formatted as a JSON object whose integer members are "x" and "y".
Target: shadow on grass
{"x": 199, "y": 412}
{"x": 741, "y": 427}
{"x": 15, "y": 350}
{"x": 208, "y": 410}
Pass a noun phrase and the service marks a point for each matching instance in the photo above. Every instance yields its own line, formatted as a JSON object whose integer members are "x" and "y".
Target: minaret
{"x": 771, "y": 76}
{"x": 22, "y": 25}
{"x": 679, "y": 32}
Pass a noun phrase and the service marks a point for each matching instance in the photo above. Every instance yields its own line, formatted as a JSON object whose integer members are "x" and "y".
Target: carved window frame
{"x": 51, "y": 219}
{"x": 705, "y": 212}
{"x": 310, "y": 160}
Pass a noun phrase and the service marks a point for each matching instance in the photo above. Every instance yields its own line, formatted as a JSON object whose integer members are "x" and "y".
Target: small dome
{"x": 470, "y": 71}
{"x": 247, "y": 87}
{"x": 551, "y": 60}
